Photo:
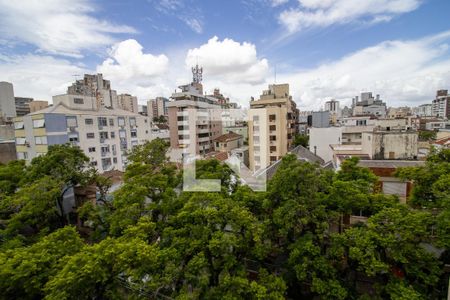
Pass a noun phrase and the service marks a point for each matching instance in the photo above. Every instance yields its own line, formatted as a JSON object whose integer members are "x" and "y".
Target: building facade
{"x": 97, "y": 87}
{"x": 369, "y": 105}
{"x": 7, "y": 102}
{"x": 37, "y": 105}
{"x": 272, "y": 126}
{"x": 22, "y": 105}
{"x": 194, "y": 119}
{"x": 441, "y": 105}
{"x": 128, "y": 102}
{"x": 158, "y": 107}
{"x": 103, "y": 134}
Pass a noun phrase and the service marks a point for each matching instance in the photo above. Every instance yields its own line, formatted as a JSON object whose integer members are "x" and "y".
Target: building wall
{"x": 229, "y": 145}
{"x": 242, "y": 130}
{"x": 37, "y": 105}
{"x": 7, "y": 151}
{"x": 321, "y": 119}
{"x": 320, "y": 140}
{"x": 128, "y": 103}
{"x": 390, "y": 145}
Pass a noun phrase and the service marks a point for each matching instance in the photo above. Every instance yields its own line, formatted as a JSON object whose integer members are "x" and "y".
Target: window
{"x": 273, "y": 137}
{"x": 94, "y": 163}
{"x": 78, "y": 100}
{"x": 111, "y": 122}
{"x": 273, "y": 158}
{"x": 102, "y": 121}
{"x": 255, "y": 118}
{"x": 273, "y": 148}
{"x": 272, "y": 118}
{"x": 71, "y": 121}
{"x": 133, "y": 133}
{"x": 132, "y": 121}
{"x": 121, "y": 121}
{"x": 73, "y": 138}
{"x": 18, "y": 125}
{"x": 88, "y": 121}
{"x": 20, "y": 141}
{"x": 106, "y": 163}
{"x": 272, "y": 127}
{"x": 40, "y": 140}
{"x": 91, "y": 149}
{"x": 115, "y": 160}
{"x": 113, "y": 134}
{"x": 39, "y": 123}
{"x": 104, "y": 149}
{"x": 103, "y": 135}
{"x": 122, "y": 134}
{"x": 90, "y": 135}
{"x": 256, "y": 128}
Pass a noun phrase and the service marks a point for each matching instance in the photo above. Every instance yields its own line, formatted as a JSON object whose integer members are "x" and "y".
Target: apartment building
{"x": 158, "y": 107}
{"x": 104, "y": 134}
{"x": 22, "y": 105}
{"x": 194, "y": 119}
{"x": 272, "y": 126}
{"x": 97, "y": 87}
{"x": 7, "y": 102}
{"x": 128, "y": 102}
{"x": 369, "y": 105}
{"x": 441, "y": 105}
{"x": 424, "y": 110}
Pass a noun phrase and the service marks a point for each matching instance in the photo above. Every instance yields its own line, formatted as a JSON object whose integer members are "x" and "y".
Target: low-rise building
{"x": 383, "y": 144}
{"x": 227, "y": 142}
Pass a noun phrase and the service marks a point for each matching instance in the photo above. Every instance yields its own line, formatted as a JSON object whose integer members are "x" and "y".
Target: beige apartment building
{"x": 194, "y": 119}
{"x": 157, "y": 107}
{"x": 128, "y": 102}
{"x": 272, "y": 126}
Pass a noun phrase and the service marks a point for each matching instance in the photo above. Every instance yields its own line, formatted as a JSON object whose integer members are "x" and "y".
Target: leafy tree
{"x": 65, "y": 164}
{"x": 301, "y": 139}
{"x": 427, "y": 135}
{"x": 25, "y": 270}
{"x": 11, "y": 176}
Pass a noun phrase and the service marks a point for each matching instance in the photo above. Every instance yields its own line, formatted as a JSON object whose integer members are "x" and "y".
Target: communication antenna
{"x": 197, "y": 74}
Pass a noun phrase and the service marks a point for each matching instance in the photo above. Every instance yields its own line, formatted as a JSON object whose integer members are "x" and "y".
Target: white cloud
{"x": 133, "y": 71}
{"x": 323, "y": 13}
{"x": 276, "y": 3}
{"x": 185, "y": 11}
{"x": 38, "y": 76}
{"x": 57, "y": 26}
{"x": 229, "y": 60}
{"x": 403, "y": 72}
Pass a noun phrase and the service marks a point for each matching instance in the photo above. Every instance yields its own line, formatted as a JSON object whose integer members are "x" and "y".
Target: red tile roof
{"x": 228, "y": 137}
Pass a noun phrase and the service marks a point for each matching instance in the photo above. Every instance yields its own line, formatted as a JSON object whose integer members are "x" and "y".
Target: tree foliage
{"x": 151, "y": 240}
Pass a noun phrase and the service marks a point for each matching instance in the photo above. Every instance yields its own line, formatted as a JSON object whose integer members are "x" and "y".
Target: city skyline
{"x": 322, "y": 49}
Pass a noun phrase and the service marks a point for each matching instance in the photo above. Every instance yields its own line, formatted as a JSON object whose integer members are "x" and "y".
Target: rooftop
{"x": 390, "y": 163}
{"x": 228, "y": 137}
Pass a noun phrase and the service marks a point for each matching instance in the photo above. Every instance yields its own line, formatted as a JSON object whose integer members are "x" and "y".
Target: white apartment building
{"x": 104, "y": 134}
{"x": 441, "y": 105}
{"x": 424, "y": 110}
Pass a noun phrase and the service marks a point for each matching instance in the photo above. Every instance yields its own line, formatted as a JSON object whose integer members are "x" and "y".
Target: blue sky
{"x": 323, "y": 48}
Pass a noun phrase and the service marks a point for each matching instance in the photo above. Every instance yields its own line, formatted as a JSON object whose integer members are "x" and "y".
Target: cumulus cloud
{"x": 231, "y": 61}
{"x": 323, "y": 13}
{"x": 57, "y": 26}
{"x": 403, "y": 72}
{"x": 132, "y": 70}
{"x": 38, "y": 76}
{"x": 127, "y": 61}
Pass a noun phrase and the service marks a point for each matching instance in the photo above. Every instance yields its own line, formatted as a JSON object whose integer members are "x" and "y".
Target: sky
{"x": 325, "y": 49}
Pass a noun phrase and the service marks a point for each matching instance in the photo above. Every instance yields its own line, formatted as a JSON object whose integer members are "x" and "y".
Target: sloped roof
{"x": 228, "y": 137}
